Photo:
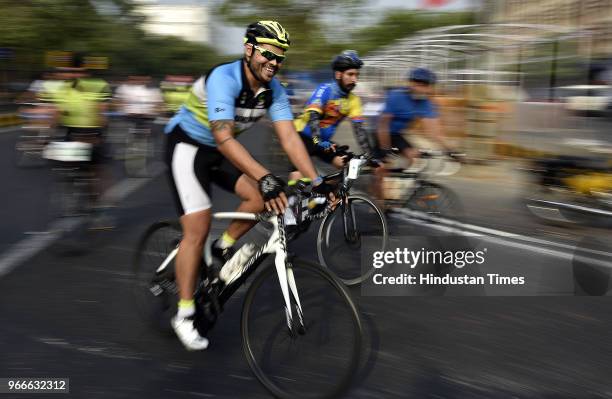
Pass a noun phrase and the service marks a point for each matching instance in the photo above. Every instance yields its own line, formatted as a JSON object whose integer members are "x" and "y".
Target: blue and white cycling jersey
{"x": 225, "y": 95}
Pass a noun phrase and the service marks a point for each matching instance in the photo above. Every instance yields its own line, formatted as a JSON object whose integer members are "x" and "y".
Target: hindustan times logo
{"x": 405, "y": 256}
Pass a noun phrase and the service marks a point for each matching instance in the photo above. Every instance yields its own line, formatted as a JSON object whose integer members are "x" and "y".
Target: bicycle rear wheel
{"x": 155, "y": 293}
{"x": 72, "y": 211}
{"x": 138, "y": 154}
{"x": 436, "y": 200}
{"x": 340, "y": 251}
{"x": 316, "y": 363}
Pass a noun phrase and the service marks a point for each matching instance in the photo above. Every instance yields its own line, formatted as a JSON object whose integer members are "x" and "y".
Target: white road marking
{"x": 35, "y": 243}
{"x": 504, "y": 238}
{"x": 454, "y": 226}
{"x": 10, "y": 129}
{"x": 25, "y": 249}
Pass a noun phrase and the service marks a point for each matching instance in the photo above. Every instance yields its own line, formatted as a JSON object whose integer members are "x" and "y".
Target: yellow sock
{"x": 226, "y": 241}
{"x": 186, "y": 308}
{"x": 186, "y": 303}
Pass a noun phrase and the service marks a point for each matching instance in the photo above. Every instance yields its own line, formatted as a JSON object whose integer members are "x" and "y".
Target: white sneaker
{"x": 188, "y": 334}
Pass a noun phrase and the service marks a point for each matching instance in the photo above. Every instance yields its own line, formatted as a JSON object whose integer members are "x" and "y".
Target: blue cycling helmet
{"x": 422, "y": 75}
{"x": 348, "y": 59}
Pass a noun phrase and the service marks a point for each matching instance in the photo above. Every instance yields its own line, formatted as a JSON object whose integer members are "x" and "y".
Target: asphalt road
{"x": 74, "y": 316}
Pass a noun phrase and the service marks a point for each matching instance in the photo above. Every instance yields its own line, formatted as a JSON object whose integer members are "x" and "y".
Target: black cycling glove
{"x": 270, "y": 186}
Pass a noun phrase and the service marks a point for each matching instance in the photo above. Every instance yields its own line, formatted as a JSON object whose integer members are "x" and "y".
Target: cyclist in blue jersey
{"x": 405, "y": 105}
{"x": 329, "y": 105}
{"x": 201, "y": 149}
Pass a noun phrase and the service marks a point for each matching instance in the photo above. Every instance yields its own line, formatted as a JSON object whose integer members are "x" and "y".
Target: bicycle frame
{"x": 276, "y": 244}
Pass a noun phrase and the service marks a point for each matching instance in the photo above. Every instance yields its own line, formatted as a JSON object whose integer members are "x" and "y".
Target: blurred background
{"x": 524, "y": 90}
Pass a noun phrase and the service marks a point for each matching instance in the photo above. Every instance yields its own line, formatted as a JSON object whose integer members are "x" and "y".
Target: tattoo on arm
{"x": 220, "y": 126}
{"x": 224, "y": 140}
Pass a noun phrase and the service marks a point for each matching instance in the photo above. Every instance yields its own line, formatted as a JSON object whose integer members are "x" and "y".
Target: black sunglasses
{"x": 270, "y": 55}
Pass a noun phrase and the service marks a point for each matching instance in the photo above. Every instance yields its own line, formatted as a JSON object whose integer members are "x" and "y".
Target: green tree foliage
{"x": 112, "y": 28}
{"x": 311, "y": 47}
{"x": 32, "y": 27}
{"x": 301, "y": 18}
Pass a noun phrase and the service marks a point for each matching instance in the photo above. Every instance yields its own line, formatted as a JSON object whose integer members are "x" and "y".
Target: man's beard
{"x": 348, "y": 88}
{"x": 259, "y": 70}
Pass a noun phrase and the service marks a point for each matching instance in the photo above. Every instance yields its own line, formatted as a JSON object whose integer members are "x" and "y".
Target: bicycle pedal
{"x": 156, "y": 290}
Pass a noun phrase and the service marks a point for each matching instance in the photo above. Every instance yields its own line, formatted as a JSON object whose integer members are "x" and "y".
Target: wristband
{"x": 303, "y": 180}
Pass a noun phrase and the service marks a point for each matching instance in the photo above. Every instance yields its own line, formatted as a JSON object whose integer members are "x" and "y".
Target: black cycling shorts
{"x": 192, "y": 166}
{"x": 397, "y": 141}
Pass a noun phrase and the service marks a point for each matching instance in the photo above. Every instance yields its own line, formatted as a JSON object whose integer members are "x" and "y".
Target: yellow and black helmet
{"x": 269, "y": 32}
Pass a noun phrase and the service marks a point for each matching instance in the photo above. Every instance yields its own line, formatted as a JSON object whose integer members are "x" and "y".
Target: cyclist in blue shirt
{"x": 201, "y": 149}
{"x": 402, "y": 107}
{"x": 405, "y": 105}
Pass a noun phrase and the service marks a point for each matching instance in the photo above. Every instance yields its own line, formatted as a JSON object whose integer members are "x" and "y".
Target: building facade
{"x": 592, "y": 15}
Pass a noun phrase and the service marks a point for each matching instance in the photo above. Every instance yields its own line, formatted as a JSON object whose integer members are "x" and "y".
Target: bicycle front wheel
{"x": 155, "y": 293}
{"x": 342, "y": 234}
{"x": 316, "y": 358}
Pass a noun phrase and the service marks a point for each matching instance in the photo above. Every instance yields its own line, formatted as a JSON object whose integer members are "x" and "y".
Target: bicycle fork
{"x": 286, "y": 278}
{"x": 348, "y": 221}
